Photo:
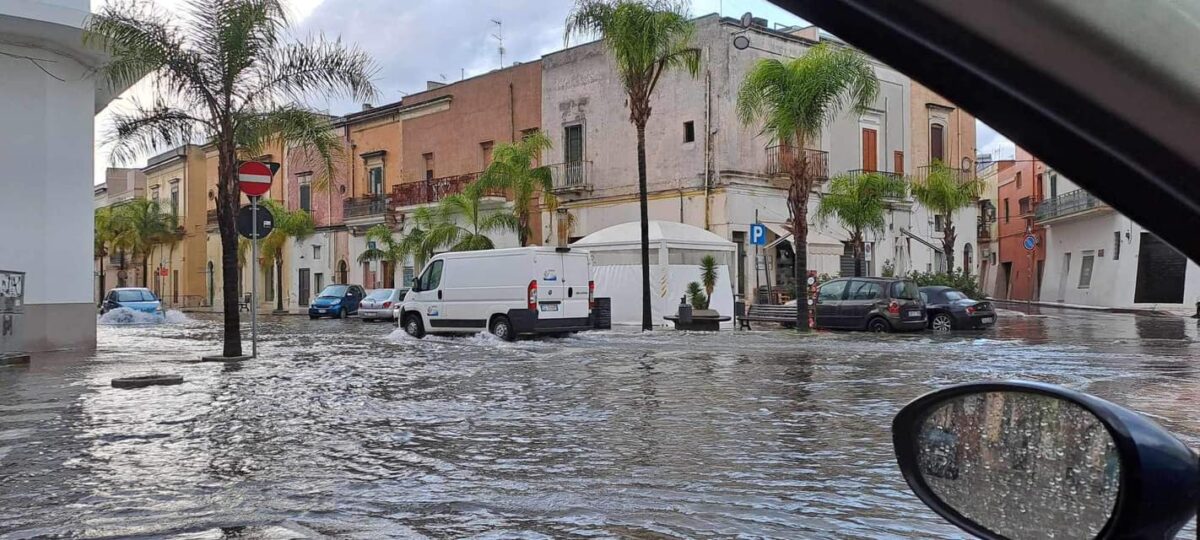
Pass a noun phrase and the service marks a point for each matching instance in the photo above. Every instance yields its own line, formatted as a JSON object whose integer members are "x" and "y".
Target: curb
{"x": 225, "y": 359}
{"x": 1133, "y": 311}
{"x": 14, "y": 359}
{"x": 147, "y": 380}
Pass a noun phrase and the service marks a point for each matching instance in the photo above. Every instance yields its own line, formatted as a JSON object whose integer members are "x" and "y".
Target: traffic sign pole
{"x": 254, "y": 281}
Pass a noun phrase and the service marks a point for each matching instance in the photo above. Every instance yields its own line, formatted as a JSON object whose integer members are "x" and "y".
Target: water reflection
{"x": 1020, "y": 464}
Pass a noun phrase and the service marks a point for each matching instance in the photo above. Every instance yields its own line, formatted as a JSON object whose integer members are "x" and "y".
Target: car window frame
{"x": 842, "y": 296}
{"x": 880, "y": 291}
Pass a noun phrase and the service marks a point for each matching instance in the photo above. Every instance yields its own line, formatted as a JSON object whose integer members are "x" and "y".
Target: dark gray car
{"x": 951, "y": 309}
{"x": 867, "y": 303}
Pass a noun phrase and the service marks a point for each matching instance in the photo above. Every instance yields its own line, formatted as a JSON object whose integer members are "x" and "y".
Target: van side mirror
{"x": 416, "y": 285}
{"x": 1030, "y": 460}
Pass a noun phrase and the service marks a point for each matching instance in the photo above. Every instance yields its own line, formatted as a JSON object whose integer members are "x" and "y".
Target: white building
{"x": 48, "y": 98}
{"x": 706, "y": 169}
{"x": 1097, "y": 257}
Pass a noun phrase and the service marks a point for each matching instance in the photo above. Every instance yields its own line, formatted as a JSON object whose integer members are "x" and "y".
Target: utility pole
{"x": 499, "y": 35}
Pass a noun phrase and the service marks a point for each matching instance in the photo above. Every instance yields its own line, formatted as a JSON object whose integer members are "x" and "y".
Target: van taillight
{"x": 893, "y": 307}
{"x": 533, "y": 295}
{"x": 591, "y": 295}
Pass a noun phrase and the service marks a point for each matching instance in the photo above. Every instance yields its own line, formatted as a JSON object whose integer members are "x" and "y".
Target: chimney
{"x": 367, "y": 106}
{"x": 430, "y": 85}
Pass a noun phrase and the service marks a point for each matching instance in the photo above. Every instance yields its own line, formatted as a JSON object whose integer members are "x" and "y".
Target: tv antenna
{"x": 499, "y": 35}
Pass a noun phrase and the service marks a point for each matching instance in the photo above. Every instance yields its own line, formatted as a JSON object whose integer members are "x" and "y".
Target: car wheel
{"x": 502, "y": 328}
{"x": 341, "y": 314}
{"x": 413, "y": 326}
{"x": 942, "y": 323}
{"x": 879, "y": 325}
{"x": 313, "y": 317}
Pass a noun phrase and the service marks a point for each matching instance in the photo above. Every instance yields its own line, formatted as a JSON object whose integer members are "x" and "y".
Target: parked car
{"x": 134, "y": 298}
{"x": 868, "y": 303}
{"x": 510, "y": 292}
{"x": 337, "y": 301}
{"x": 381, "y": 304}
{"x": 950, "y": 309}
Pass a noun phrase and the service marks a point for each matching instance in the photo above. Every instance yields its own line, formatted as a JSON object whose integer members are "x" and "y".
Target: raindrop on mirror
{"x": 1021, "y": 465}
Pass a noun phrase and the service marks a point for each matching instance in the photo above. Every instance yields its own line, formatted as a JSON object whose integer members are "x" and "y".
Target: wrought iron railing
{"x": 780, "y": 159}
{"x": 983, "y": 231}
{"x": 962, "y": 175}
{"x": 436, "y": 189}
{"x": 902, "y": 186}
{"x": 365, "y": 206}
{"x": 1067, "y": 204}
{"x": 571, "y": 176}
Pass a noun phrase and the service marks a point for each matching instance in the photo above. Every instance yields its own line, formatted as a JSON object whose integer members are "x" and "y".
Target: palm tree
{"x": 945, "y": 191}
{"x": 646, "y": 39}
{"x": 224, "y": 71}
{"x": 288, "y": 225}
{"x": 418, "y": 242}
{"x": 105, "y": 232}
{"x": 386, "y": 249}
{"x": 476, "y": 222}
{"x": 858, "y": 201}
{"x": 793, "y": 100}
{"x": 708, "y": 274}
{"x": 513, "y": 169}
{"x": 142, "y": 225}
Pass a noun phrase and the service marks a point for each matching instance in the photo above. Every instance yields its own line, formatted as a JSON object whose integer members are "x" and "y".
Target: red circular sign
{"x": 254, "y": 178}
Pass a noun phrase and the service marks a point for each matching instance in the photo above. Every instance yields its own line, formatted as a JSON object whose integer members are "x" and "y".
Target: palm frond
{"x": 295, "y": 72}
{"x": 309, "y": 133}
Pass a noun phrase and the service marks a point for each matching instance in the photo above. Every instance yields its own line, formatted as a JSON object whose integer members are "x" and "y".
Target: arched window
{"x": 343, "y": 272}
{"x": 937, "y": 143}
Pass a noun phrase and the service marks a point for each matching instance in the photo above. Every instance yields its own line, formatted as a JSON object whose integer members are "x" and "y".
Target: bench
{"x": 767, "y": 313}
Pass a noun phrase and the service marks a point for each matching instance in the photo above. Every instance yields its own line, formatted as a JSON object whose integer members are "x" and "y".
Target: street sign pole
{"x": 254, "y": 280}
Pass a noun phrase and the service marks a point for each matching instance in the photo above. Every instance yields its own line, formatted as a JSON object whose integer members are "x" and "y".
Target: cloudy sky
{"x": 414, "y": 41}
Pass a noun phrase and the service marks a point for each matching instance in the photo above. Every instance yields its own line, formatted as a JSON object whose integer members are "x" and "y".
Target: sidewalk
{"x": 1171, "y": 310}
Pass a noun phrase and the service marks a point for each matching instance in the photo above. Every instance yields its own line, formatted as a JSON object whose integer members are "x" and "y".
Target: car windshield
{"x": 135, "y": 296}
{"x": 953, "y": 296}
{"x": 380, "y": 294}
{"x": 335, "y": 291}
{"x": 905, "y": 290}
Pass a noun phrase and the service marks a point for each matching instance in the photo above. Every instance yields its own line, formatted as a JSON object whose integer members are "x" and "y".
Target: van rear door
{"x": 548, "y": 269}
{"x": 575, "y": 277}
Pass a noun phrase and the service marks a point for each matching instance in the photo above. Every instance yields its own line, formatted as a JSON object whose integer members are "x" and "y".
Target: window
{"x": 175, "y": 199}
{"x": 1018, "y": 179}
{"x": 864, "y": 290}
{"x": 1085, "y": 269}
{"x": 937, "y": 223}
{"x": 485, "y": 150}
{"x": 1023, "y": 205}
{"x": 407, "y": 276}
{"x": 432, "y": 278}
{"x": 1116, "y": 245}
{"x": 898, "y": 162}
{"x": 316, "y": 252}
{"x": 905, "y": 290}
{"x": 268, "y": 282}
{"x": 1053, "y": 185}
{"x": 1006, "y": 215}
{"x": 375, "y": 180}
{"x": 937, "y": 143}
{"x": 573, "y": 143}
{"x": 689, "y": 131}
{"x": 306, "y": 192}
{"x": 870, "y": 150}
{"x": 832, "y": 291}
{"x": 428, "y": 165}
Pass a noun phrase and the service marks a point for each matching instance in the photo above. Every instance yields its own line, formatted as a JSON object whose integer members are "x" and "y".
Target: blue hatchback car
{"x": 133, "y": 298}
{"x": 337, "y": 301}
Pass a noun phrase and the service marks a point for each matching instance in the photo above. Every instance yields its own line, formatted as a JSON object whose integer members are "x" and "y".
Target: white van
{"x": 510, "y": 292}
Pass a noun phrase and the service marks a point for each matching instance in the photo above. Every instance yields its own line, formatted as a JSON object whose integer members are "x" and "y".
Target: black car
{"x": 951, "y": 309}
{"x": 867, "y": 303}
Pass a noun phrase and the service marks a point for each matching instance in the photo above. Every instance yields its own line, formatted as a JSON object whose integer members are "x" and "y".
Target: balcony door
{"x": 870, "y": 149}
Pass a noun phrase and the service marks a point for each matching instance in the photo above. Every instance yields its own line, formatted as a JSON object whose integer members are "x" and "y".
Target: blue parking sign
{"x": 758, "y": 234}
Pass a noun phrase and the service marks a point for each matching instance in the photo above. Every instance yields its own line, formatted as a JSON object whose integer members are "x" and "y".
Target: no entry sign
{"x": 254, "y": 178}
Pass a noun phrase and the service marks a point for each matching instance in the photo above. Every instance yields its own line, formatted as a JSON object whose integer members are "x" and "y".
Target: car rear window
{"x": 905, "y": 290}
{"x": 865, "y": 290}
{"x": 380, "y": 294}
{"x": 135, "y": 296}
{"x": 955, "y": 295}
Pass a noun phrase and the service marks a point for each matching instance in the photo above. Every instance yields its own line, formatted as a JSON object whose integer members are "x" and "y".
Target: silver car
{"x": 380, "y": 304}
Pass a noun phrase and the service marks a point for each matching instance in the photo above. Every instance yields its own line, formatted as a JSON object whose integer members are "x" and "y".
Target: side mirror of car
{"x": 1024, "y": 460}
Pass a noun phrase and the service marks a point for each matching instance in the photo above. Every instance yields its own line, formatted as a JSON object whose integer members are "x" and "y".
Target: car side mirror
{"x": 1022, "y": 460}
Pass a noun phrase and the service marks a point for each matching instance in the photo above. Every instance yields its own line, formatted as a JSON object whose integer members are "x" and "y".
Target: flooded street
{"x": 348, "y": 429}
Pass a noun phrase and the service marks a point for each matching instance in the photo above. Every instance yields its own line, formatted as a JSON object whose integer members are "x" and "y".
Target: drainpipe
{"x": 707, "y": 147}
{"x": 512, "y": 114}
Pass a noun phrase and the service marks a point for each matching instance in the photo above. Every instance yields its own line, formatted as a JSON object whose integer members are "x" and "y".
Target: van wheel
{"x": 879, "y": 326}
{"x": 942, "y": 323}
{"x": 502, "y": 328}
{"x": 413, "y": 325}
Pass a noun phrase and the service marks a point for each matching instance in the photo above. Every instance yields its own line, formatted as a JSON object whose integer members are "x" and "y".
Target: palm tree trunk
{"x": 948, "y": 238}
{"x": 523, "y": 227}
{"x": 145, "y": 271}
{"x": 798, "y": 201}
{"x": 858, "y": 255}
{"x": 102, "y": 280}
{"x": 227, "y": 199}
{"x": 279, "y": 280}
{"x": 644, "y": 210}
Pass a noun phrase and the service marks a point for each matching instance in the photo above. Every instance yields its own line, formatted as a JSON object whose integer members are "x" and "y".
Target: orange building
{"x": 1019, "y": 270}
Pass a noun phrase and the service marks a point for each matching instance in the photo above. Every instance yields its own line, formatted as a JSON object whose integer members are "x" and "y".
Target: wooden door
{"x": 870, "y": 149}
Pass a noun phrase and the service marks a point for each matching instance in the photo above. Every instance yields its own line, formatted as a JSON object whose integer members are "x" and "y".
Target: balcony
{"x": 983, "y": 231}
{"x": 367, "y": 209}
{"x": 572, "y": 177}
{"x": 961, "y": 175}
{"x": 1068, "y": 205}
{"x": 900, "y": 195}
{"x": 780, "y": 159}
{"x": 432, "y": 191}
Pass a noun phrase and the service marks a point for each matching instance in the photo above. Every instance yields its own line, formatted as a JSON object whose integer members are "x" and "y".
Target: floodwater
{"x": 346, "y": 429}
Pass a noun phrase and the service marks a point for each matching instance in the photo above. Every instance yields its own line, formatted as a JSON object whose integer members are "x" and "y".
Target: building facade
{"x": 176, "y": 180}
{"x": 324, "y": 257}
{"x": 1097, "y": 257}
{"x": 48, "y": 109}
{"x": 120, "y": 186}
{"x": 1021, "y": 242}
{"x": 986, "y": 228}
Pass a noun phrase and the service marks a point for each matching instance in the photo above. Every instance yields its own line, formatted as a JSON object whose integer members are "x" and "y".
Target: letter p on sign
{"x": 758, "y": 234}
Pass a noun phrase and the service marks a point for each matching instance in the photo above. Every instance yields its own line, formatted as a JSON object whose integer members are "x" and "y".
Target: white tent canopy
{"x": 675, "y": 253}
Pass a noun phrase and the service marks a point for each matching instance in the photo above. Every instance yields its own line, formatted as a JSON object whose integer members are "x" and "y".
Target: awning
{"x": 818, "y": 244}
{"x": 921, "y": 240}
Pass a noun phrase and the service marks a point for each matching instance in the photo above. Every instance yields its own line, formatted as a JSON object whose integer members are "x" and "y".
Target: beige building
{"x": 176, "y": 180}
{"x": 120, "y": 186}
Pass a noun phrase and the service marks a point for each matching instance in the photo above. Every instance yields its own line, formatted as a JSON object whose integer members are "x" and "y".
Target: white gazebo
{"x": 675, "y": 253}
